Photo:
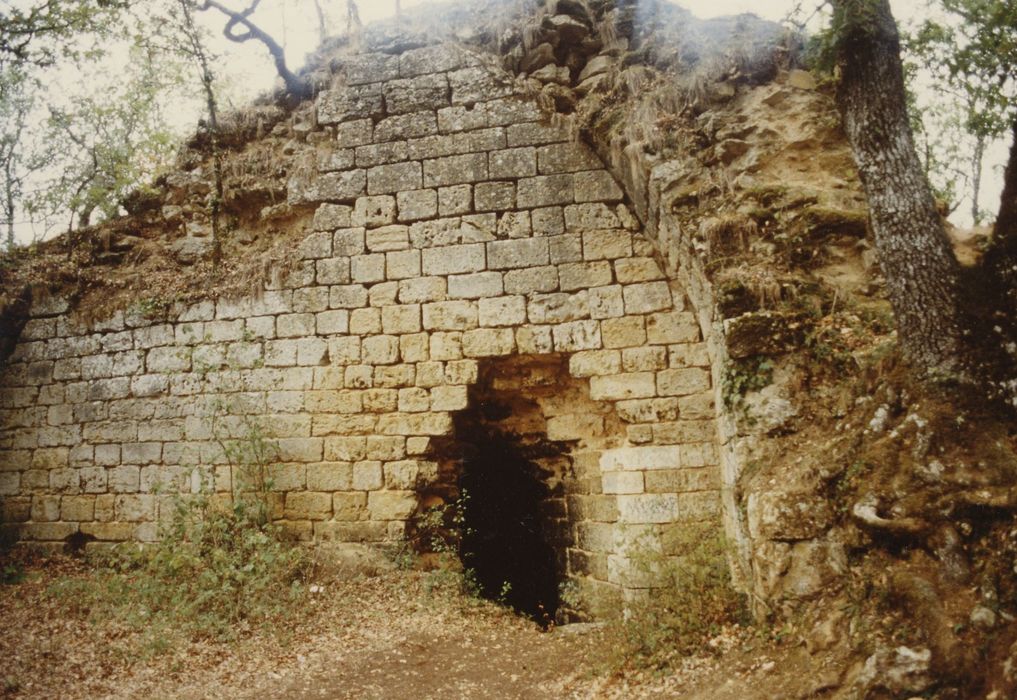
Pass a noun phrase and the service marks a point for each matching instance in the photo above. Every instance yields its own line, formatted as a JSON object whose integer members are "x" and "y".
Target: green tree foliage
{"x": 970, "y": 49}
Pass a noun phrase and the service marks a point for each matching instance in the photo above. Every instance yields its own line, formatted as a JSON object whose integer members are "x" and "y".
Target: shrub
{"x": 219, "y": 567}
{"x": 678, "y": 618}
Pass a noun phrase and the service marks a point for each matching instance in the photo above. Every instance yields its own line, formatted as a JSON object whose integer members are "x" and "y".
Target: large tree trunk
{"x": 921, "y": 271}
{"x": 1001, "y": 258}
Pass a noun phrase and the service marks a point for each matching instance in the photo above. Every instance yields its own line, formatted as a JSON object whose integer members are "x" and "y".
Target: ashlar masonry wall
{"x": 455, "y": 225}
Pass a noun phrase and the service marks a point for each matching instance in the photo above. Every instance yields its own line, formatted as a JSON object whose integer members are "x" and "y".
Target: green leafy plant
{"x": 751, "y": 374}
{"x": 677, "y": 619}
{"x": 219, "y": 568}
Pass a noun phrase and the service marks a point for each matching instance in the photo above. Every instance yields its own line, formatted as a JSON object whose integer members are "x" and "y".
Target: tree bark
{"x": 921, "y": 271}
{"x": 1001, "y": 258}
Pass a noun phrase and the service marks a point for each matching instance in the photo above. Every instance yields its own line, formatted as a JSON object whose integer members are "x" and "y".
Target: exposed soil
{"x": 393, "y": 634}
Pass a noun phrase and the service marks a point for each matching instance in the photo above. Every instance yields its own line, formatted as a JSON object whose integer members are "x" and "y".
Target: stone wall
{"x": 455, "y": 225}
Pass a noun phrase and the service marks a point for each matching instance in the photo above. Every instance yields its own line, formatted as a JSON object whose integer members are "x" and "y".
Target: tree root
{"x": 865, "y": 513}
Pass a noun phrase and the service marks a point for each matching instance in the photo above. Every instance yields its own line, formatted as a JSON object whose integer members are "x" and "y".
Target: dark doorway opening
{"x": 505, "y": 538}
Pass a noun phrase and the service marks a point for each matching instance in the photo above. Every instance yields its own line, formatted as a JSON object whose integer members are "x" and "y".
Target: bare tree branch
{"x": 295, "y": 85}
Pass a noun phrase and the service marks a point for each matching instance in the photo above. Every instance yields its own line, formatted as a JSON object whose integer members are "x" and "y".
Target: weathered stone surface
{"x": 357, "y": 102}
{"x": 424, "y": 92}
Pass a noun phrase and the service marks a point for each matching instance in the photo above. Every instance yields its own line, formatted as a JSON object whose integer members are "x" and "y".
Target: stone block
{"x": 367, "y": 269}
{"x": 311, "y": 352}
{"x": 417, "y": 204}
{"x": 449, "y": 398}
{"x": 295, "y": 325}
{"x": 330, "y": 476}
{"x": 380, "y": 350}
{"x": 648, "y": 410}
{"x": 383, "y": 179}
{"x": 461, "y": 118}
{"x": 513, "y": 163}
{"x": 396, "y": 320}
{"x": 532, "y": 280}
{"x": 646, "y": 297}
{"x": 502, "y": 311}
{"x": 514, "y": 224}
{"x": 349, "y": 296}
{"x": 575, "y": 426}
{"x": 512, "y": 110}
{"x": 685, "y": 480}
{"x": 361, "y": 68}
{"x": 557, "y": 308}
{"x": 648, "y": 508}
{"x": 308, "y": 505}
{"x": 577, "y": 335}
{"x": 681, "y": 382}
{"x": 628, "y": 331}
{"x": 641, "y": 458}
{"x": 478, "y": 84}
{"x": 597, "y": 186}
{"x": 488, "y": 342}
{"x": 336, "y": 187}
{"x": 388, "y": 238}
{"x": 421, "y": 289}
{"x": 475, "y": 285}
{"x": 622, "y": 482}
{"x": 367, "y": 476}
{"x": 633, "y": 385}
{"x": 456, "y": 199}
{"x": 592, "y": 217}
{"x": 167, "y": 360}
{"x": 402, "y": 265}
{"x": 383, "y": 294}
{"x": 589, "y": 363}
{"x": 346, "y": 449}
{"x": 445, "y": 346}
{"x": 631, "y": 270}
{"x": 494, "y": 196}
{"x": 373, "y": 211}
{"x": 517, "y": 253}
{"x": 457, "y": 259}
{"x": 701, "y": 454}
{"x": 406, "y": 126}
{"x": 423, "y": 92}
{"x": 332, "y": 322}
{"x": 544, "y": 190}
{"x": 433, "y": 59}
{"x": 450, "y": 315}
{"x": 566, "y": 158}
{"x": 461, "y": 372}
{"x": 349, "y": 507}
{"x": 330, "y": 160}
{"x": 364, "y": 322}
{"x": 349, "y": 241}
{"x": 535, "y": 133}
{"x": 644, "y": 359}
{"x": 550, "y": 221}
{"x": 672, "y": 327}
{"x": 355, "y": 132}
{"x": 414, "y": 400}
{"x": 348, "y": 103}
{"x": 535, "y": 340}
{"x": 455, "y": 170}
{"x": 391, "y": 505}
{"x": 606, "y": 302}
{"x": 401, "y": 474}
{"x": 582, "y": 275}
{"x": 123, "y": 479}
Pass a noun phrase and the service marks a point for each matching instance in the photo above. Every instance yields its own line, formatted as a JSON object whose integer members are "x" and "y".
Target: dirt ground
{"x": 390, "y": 635}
